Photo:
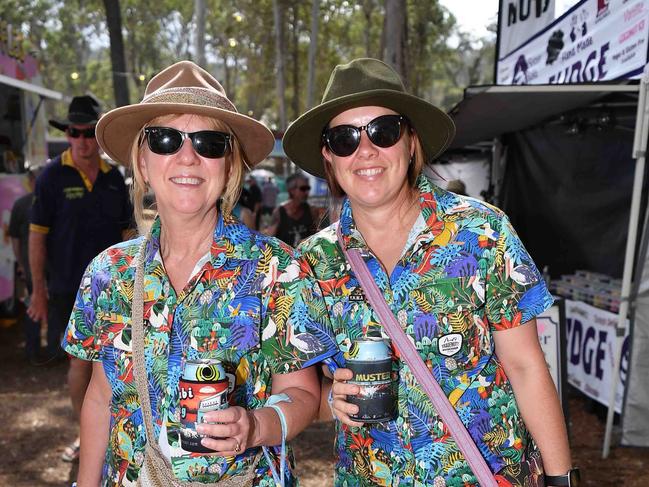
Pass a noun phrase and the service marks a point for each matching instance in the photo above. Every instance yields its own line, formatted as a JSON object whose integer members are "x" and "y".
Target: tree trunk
{"x": 118, "y": 62}
{"x": 296, "y": 61}
{"x": 199, "y": 38}
{"x": 368, "y": 7}
{"x": 313, "y": 48}
{"x": 280, "y": 51}
{"x": 395, "y": 31}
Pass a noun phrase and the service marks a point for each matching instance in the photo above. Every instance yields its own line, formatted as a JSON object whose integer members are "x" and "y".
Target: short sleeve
{"x": 515, "y": 291}
{"x": 43, "y": 206}
{"x": 296, "y": 332}
{"x": 80, "y": 338}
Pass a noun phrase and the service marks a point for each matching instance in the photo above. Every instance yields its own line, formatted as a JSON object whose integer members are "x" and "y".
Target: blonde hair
{"x": 236, "y": 168}
{"x": 414, "y": 168}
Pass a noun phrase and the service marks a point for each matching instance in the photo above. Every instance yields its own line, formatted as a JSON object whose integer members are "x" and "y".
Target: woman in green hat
{"x": 457, "y": 279}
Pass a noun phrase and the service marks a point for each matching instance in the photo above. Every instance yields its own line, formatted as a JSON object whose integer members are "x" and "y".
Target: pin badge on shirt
{"x": 450, "y": 344}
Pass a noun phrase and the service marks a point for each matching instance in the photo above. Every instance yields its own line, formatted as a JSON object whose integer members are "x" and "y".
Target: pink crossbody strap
{"x": 424, "y": 376}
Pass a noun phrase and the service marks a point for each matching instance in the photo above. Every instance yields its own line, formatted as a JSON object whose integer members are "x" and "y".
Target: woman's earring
{"x": 411, "y": 161}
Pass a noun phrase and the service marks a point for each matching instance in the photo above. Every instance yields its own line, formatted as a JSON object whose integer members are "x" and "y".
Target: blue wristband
{"x": 272, "y": 402}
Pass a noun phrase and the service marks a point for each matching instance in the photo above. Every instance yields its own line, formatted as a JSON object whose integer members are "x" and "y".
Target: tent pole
{"x": 639, "y": 153}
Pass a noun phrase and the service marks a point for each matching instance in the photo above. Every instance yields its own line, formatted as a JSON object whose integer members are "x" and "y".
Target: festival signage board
{"x": 518, "y": 18}
{"x": 595, "y": 40}
{"x": 591, "y": 346}
{"x": 549, "y": 328}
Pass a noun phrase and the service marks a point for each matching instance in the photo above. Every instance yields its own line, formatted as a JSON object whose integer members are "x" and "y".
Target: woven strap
{"x": 156, "y": 471}
{"x": 410, "y": 355}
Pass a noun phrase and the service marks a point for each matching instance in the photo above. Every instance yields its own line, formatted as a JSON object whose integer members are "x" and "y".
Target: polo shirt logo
{"x": 450, "y": 344}
{"x": 73, "y": 192}
{"x": 357, "y": 294}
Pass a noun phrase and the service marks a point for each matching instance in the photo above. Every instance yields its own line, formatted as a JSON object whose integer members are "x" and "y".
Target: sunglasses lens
{"x": 86, "y": 133}
{"x": 163, "y": 140}
{"x": 385, "y": 131}
{"x": 210, "y": 144}
{"x": 343, "y": 140}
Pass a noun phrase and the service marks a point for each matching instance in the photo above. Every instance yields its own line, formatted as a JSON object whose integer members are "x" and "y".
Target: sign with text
{"x": 596, "y": 40}
{"x": 591, "y": 347}
{"x": 548, "y": 327}
{"x": 519, "y": 19}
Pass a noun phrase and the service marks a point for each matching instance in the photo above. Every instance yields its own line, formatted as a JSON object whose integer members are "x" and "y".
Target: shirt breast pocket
{"x": 448, "y": 320}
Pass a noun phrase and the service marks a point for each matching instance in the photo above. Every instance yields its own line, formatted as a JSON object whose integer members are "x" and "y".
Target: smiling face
{"x": 184, "y": 183}
{"x": 372, "y": 176}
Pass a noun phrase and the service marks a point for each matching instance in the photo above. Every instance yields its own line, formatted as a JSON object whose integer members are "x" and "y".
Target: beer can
{"x": 203, "y": 387}
{"x": 370, "y": 360}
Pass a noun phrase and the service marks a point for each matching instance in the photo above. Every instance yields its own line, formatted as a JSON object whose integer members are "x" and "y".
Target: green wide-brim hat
{"x": 365, "y": 82}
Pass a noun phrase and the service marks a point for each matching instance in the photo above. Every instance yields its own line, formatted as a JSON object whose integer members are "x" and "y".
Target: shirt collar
{"x": 67, "y": 160}
{"x": 228, "y": 241}
{"x": 435, "y": 204}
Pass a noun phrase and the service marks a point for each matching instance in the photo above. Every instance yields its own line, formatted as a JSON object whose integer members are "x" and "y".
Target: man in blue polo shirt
{"x": 80, "y": 208}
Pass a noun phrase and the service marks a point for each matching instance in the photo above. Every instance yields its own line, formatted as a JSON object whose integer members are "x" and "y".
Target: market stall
{"x": 571, "y": 149}
{"x": 23, "y": 127}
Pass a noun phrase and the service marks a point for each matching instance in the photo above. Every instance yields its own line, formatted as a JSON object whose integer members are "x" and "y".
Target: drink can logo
{"x": 370, "y": 360}
{"x": 202, "y": 388}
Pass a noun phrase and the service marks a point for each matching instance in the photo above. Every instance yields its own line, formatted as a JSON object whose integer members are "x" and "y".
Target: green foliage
{"x": 70, "y": 36}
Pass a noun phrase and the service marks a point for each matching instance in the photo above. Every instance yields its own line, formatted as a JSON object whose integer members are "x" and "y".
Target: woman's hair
{"x": 414, "y": 168}
{"x": 235, "y": 171}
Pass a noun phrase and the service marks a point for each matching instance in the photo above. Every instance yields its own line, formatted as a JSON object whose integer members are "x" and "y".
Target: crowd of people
{"x": 281, "y": 295}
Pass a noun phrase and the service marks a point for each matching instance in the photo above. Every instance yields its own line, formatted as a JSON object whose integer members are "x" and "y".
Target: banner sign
{"x": 517, "y": 19}
{"x": 548, "y": 327}
{"x": 596, "y": 40}
{"x": 591, "y": 348}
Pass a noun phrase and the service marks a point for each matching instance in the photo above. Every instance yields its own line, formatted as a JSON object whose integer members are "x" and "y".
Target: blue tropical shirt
{"x": 251, "y": 303}
{"x": 463, "y": 275}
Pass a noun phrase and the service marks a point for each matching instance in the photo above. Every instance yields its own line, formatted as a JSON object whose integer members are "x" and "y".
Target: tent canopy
{"x": 489, "y": 111}
{"x": 24, "y": 85}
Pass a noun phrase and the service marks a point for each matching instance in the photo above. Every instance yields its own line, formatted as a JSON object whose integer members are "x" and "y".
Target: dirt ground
{"x": 36, "y": 424}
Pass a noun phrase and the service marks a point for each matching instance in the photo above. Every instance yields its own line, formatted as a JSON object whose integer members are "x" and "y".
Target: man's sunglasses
{"x": 207, "y": 143}
{"x": 304, "y": 188}
{"x": 383, "y": 131}
{"x": 85, "y": 133}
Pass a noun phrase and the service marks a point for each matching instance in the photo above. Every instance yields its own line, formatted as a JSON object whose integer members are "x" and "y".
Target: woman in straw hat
{"x": 457, "y": 280}
{"x": 199, "y": 285}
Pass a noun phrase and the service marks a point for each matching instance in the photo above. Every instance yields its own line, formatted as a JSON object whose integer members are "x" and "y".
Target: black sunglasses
{"x": 85, "y": 133}
{"x": 207, "y": 143}
{"x": 383, "y": 131}
{"x": 304, "y": 188}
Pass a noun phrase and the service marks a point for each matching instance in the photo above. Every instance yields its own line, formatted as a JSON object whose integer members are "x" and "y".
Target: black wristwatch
{"x": 569, "y": 479}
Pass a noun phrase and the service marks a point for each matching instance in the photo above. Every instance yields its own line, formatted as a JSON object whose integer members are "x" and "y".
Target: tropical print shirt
{"x": 464, "y": 274}
{"x": 250, "y": 303}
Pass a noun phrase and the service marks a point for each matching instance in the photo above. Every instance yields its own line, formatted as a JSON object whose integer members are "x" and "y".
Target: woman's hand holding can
{"x": 341, "y": 389}
{"x": 228, "y": 430}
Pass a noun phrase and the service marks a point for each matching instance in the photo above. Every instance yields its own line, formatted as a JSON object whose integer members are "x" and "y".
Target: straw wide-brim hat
{"x": 365, "y": 82}
{"x": 183, "y": 88}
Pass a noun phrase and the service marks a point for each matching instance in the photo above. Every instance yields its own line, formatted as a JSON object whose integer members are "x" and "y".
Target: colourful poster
{"x": 596, "y": 40}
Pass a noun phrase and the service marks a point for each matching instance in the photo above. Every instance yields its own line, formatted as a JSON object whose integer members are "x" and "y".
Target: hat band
{"x": 190, "y": 96}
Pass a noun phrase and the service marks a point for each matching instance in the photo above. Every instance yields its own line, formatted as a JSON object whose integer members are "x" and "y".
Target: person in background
{"x": 80, "y": 208}
{"x": 253, "y": 199}
{"x": 19, "y": 233}
{"x": 295, "y": 219}
{"x": 456, "y": 186}
{"x": 211, "y": 289}
{"x": 455, "y": 275}
{"x": 269, "y": 192}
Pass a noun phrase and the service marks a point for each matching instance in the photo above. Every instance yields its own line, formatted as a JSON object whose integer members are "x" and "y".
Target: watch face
{"x": 574, "y": 477}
